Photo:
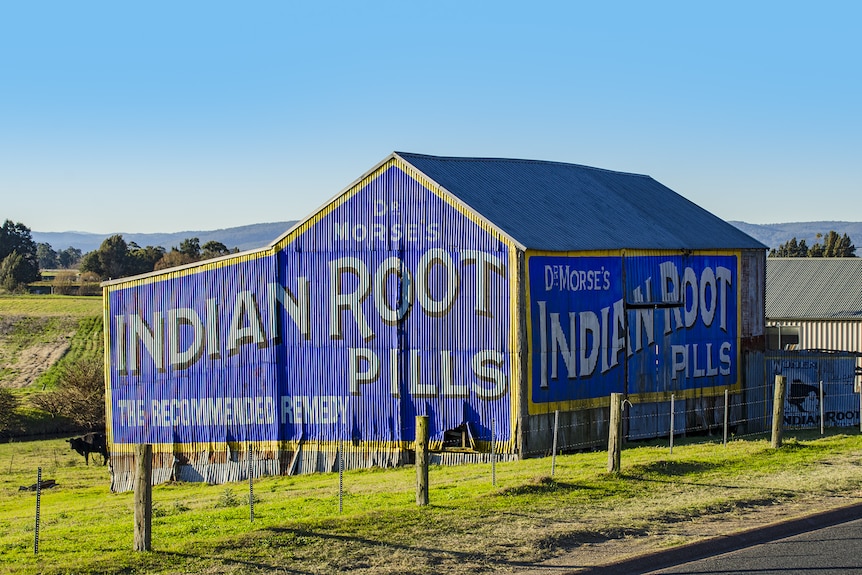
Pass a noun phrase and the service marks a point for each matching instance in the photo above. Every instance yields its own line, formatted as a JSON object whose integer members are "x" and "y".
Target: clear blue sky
{"x": 174, "y": 116}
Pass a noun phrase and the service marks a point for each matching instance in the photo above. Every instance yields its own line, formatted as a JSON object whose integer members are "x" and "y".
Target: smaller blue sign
{"x": 637, "y": 324}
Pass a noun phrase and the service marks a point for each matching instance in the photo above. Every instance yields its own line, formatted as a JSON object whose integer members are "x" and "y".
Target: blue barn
{"x": 489, "y": 294}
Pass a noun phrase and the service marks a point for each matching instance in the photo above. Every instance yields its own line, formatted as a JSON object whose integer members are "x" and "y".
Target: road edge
{"x": 725, "y": 543}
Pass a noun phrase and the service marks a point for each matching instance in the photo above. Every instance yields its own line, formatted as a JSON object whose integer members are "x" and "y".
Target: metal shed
{"x": 814, "y": 304}
{"x": 485, "y": 293}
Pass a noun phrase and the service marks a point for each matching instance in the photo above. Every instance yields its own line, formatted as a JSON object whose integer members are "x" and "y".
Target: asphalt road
{"x": 824, "y": 543}
{"x": 832, "y": 550}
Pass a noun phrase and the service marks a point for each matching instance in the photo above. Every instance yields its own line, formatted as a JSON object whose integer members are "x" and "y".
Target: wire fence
{"x": 724, "y": 417}
{"x": 716, "y": 419}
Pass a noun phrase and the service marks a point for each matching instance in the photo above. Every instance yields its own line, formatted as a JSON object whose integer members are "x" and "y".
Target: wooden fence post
{"x": 615, "y": 433}
{"x": 778, "y": 410}
{"x": 143, "y": 497}
{"x": 422, "y": 434}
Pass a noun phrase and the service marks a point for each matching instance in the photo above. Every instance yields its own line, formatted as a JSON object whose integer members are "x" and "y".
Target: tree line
{"x": 116, "y": 258}
{"x": 829, "y": 246}
{"x": 21, "y": 258}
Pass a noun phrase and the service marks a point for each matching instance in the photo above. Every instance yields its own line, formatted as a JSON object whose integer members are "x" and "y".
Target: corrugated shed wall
{"x": 836, "y": 335}
{"x": 804, "y": 371}
{"x": 752, "y": 280}
{"x": 644, "y": 323}
{"x": 392, "y": 302}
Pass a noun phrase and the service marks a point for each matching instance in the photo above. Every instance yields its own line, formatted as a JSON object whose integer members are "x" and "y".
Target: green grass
{"x": 39, "y": 335}
{"x": 88, "y": 342}
{"x": 471, "y": 526}
{"x": 50, "y": 305}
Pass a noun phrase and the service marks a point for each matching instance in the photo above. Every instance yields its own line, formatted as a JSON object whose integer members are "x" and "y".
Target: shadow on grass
{"x": 305, "y": 550}
{"x": 670, "y": 468}
{"x": 247, "y": 566}
{"x": 543, "y": 485}
{"x": 438, "y": 558}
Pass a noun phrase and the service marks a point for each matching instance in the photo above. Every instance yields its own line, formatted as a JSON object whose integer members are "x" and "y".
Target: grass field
{"x": 50, "y": 305}
{"x": 39, "y": 336}
{"x": 38, "y": 333}
{"x": 471, "y": 525}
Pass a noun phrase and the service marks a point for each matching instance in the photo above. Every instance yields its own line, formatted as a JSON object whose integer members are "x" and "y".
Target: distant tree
{"x": 69, "y": 257}
{"x": 64, "y": 283}
{"x": 14, "y": 273}
{"x": 173, "y": 259}
{"x": 80, "y": 395}
{"x": 833, "y": 246}
{"x": 89, "y": 284}
{"x": 191, "y": 247}
{"x": 91, "y": 263}
{"x": 144, "y": 260}
{"x": 213, "y": 249}
{"x": 791, "y": 249}
{"x": 46, "y": 255}
{"x": 16, "y": 239}
{"x": 115, "y": 258}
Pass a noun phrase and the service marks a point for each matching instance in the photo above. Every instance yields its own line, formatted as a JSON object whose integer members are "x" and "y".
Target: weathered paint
{"x": 391, "y": 302}
{"x": 397, "y": 299}
{"x": 804, "y": 372}
{"x": 593, "y": 331}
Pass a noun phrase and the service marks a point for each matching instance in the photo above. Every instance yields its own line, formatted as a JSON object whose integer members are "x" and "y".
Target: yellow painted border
{"x": 578, "y": 404}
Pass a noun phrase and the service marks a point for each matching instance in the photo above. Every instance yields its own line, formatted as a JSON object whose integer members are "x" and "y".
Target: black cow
{"x": 90, "y": 443}
{"x": 800, "y": 392}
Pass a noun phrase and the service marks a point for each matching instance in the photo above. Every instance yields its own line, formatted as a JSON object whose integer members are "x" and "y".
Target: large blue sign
{"x": 390, "y": 303}
{"x": 630, "y": 324}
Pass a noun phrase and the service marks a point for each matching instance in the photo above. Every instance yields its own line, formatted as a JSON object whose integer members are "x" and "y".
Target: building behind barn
{"x": 814, "y": 303}
{"x": 814, "y": 336}
{"x": 487, "y": 294}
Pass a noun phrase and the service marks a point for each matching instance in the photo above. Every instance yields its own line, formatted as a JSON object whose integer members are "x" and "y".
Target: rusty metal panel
{"x": 752, "y": 287}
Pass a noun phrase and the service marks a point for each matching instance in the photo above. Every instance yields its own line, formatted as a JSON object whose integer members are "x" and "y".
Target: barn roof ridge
{"x": 406, "y": 155}
{"x": 558, "y": 206}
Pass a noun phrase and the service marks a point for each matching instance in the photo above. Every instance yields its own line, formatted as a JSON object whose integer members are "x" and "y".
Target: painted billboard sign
{"x": 804, "y": 373}
{"x": 632, "y": 324}
{"x": 388, "y": 304}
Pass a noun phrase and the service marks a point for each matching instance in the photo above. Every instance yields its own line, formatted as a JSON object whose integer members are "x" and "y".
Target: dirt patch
{"x": 23, "y": 369}
{"x": 29, "y": 346}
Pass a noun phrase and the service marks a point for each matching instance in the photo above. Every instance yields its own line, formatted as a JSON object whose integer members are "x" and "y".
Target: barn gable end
{"x": 392, "y": 301}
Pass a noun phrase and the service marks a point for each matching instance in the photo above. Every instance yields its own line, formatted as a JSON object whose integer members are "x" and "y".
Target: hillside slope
{"x": 773, "y": 235}
{"x": 243, "y": 237}
{"x": 37, "y": 332}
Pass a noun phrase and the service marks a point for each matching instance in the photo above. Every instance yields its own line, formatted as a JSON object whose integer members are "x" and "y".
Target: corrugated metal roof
{"x": 813, "y": 288}
{"x": 559, "y": 207}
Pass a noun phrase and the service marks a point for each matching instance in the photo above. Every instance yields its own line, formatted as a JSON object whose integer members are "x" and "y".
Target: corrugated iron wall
{"x": 666, "y": 323}
{"x": 804, "y": 370}
{"x": 393, "y": 301}
{"x": 834, "y": 335}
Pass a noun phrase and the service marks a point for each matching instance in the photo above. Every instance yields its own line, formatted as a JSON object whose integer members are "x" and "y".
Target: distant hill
{"x": 259, "y": 235}
{"x": 244, "y": 237}
{"x": 773, "y": 235}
